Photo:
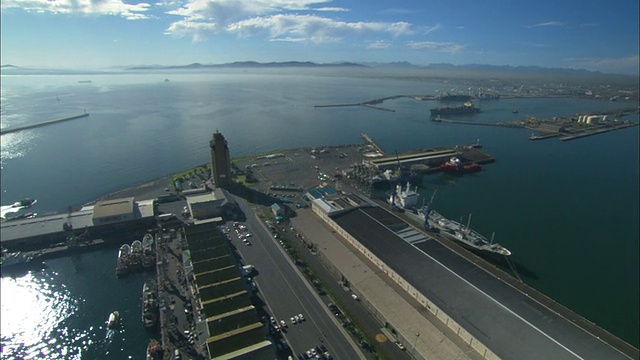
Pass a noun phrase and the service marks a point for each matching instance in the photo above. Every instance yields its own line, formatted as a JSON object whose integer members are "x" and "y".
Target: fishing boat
{"x": 122, "y": 266}
{"x": 149, "y": 304}
{"x": 154, "y": 350}
{"x": 136, "y": 246}
{"x": 113, "y": 319}
{"x": 124, "y": 251}
{"x": 148, "y": 257}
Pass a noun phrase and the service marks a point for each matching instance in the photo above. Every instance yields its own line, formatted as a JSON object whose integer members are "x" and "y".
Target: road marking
{"x": 492, "y": 299}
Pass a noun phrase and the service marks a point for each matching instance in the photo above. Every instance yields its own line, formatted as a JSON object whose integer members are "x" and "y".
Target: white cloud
{"x": 332, "y": 9}
{"x": 380, "y": 44}
{"x": 547, "y": 24}
{"x": 430, "y": 29}
{"x": 85, "y": 7}
{"x": 223, "y": 12}
{"x": 199, "y": 30}
{"x": 290, "y": 28}
{"x": 446, "y": 47}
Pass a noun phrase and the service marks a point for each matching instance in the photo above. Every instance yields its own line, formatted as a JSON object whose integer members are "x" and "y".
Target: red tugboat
{"x": 455, "y": 167}
{"x": 154, "y": 350}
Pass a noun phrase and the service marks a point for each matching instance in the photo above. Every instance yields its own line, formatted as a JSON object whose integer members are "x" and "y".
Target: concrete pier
{"x": 44, "y": 123}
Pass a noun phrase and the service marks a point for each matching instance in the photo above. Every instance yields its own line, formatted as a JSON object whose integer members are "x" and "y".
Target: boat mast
{"x": 468, "y": 223}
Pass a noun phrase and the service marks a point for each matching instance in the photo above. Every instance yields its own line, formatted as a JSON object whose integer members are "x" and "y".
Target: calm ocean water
{"x": 567, "y": 210}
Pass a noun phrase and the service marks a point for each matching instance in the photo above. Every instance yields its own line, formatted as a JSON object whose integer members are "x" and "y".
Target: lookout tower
{"x": 220, "y": 161}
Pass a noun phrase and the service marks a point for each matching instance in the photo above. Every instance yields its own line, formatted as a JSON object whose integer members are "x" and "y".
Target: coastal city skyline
{"x": 597, "y": 36}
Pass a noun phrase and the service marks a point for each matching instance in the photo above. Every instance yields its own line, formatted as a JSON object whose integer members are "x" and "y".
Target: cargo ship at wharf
{"x": 407, "y": 199}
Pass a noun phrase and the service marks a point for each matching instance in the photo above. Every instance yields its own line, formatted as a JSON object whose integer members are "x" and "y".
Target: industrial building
{"x": 228, "y": 323}
{"x": 208, "y": 205}
{"x": 494, "y": 318}
{"x": 220, "y": 161}
{"x": 98, "y": 220}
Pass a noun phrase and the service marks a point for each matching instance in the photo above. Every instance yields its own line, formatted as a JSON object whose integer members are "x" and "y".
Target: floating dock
{"x": 44, "y": 123}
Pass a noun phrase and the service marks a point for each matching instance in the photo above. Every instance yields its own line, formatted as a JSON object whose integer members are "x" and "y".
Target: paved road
{"x": 286, "y": 293}
{"x": 354, "y": 309}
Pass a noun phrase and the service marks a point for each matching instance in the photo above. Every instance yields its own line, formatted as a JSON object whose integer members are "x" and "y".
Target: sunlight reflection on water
{"x": 34, "y": 311}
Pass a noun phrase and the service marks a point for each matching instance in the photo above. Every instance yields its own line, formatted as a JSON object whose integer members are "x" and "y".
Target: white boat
{"x": 404, "y": 198}
{"x": 114, "y": 317}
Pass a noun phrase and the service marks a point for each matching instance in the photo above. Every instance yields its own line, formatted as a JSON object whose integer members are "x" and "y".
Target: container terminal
{"x": 374, "y": 250}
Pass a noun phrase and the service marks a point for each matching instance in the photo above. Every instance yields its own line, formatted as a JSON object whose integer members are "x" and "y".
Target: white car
{"x": 283, "y": 324}
{"x": 300, "y": 318}
{"x": 294, "y": 319}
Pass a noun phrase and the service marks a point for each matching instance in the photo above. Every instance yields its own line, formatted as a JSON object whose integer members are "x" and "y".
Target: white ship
{"x": 434, "y": 221}
{"x": 404, "y": 198}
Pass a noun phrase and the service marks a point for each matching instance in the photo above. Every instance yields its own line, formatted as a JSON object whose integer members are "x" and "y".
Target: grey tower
{"x": 220, "y": 161}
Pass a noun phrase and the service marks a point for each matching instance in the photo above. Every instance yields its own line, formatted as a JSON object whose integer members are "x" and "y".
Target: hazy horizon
{"x": 598, "y": 36}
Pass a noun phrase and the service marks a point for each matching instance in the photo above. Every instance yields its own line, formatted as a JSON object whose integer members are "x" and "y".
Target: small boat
{"x": 154, "y": 350}
{"x": 26, "y": 202}
{"x": 114, "y": 317}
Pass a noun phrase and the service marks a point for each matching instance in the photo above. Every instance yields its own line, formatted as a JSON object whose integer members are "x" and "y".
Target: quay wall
{"x": 412, "y": 291}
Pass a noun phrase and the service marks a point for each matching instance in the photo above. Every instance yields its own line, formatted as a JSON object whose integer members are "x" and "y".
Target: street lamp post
{"x": 415, "y": 342}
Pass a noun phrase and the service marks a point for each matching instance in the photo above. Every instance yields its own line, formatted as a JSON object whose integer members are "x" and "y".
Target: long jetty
{"x": 44, "y": 123}
{"x": 373, "y": 103}
{"x": 466, "y": 122}
{"x": 370, "y": 141}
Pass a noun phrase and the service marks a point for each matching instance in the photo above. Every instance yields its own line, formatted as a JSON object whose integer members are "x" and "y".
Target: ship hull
{"x": 462, "y": 235}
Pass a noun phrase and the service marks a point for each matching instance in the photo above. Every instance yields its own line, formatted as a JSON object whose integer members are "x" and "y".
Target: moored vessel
{"x": 456, "y": 167}
{"x": 122, "y": 266}
{"x": 149, "y": 304}
{"x": 154, "y": 350}
{"x": 434, "y": 221}
{"x": 148, "y": 256}
{"x": 466, "y": 108}
{"x": 135, "y": 259}
{"x": 403, "y": 198}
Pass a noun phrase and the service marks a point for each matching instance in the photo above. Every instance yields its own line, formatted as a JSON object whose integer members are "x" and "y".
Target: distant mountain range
{"x": 400, "y": 64}
{"x": 247, "y": 64}
{"x": 443, "y": 69}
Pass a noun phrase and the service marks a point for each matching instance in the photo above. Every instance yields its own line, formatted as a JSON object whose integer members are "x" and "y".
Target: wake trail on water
{"x": 7, "y": 209}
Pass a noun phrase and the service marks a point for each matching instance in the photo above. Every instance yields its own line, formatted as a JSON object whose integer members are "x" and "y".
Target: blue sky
{"x": 586, "y": 34}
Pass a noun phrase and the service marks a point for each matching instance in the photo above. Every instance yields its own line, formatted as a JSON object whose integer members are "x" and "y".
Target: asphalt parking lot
{"x": 301, "y": 168}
